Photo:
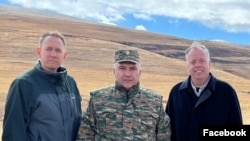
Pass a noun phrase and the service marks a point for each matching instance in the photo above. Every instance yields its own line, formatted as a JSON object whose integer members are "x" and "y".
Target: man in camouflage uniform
{"x": 125, "y": 111}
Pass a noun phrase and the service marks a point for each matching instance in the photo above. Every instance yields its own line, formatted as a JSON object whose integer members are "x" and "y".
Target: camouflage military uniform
{"x": 115, "y": 114}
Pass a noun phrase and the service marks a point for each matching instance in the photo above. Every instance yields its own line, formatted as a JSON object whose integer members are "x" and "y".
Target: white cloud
{"x": 143, "y": 16}
{"x": 219, "y": 40}
{"x": 140, "y": 27}
{"x": 229, "y": 15}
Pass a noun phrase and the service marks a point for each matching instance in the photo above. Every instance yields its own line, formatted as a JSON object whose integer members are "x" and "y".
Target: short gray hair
{"x": 197, "y": 45}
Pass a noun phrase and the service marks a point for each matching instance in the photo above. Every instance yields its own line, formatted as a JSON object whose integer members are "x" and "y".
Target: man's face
{"x": 198, "y": 65}
{"x": 127, "y": 74}
{"x": 52, "y": 53}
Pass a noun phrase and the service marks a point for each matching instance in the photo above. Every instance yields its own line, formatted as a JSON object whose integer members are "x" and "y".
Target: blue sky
{"x": 216, "y": 20}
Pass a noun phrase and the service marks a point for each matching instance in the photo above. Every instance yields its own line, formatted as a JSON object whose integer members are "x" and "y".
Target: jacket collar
{"x": 206, "y": 93}
{"x": 131, "y": 92}
{"x": 54, "y": 77}
{"x": 211, "y": 83}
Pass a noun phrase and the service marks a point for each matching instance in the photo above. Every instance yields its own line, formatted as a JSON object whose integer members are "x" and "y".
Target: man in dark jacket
{"x": 44, "y": 104}
{"x": 201, "y": 99}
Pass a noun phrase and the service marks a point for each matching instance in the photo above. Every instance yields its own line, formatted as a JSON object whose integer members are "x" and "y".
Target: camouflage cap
{"x": 127, "y": 56}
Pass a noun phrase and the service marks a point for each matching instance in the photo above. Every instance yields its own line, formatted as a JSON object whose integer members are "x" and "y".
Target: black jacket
{"x": 217, "y": 105}
{"x": 42, "y": 106}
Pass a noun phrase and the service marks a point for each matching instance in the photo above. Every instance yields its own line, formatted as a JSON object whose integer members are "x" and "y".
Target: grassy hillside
{"x": 91, "y": 47}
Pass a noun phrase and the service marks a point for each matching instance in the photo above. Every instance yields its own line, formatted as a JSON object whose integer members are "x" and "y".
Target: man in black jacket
{"x": 201, "y": 99}
{"x": 44, "y": 103}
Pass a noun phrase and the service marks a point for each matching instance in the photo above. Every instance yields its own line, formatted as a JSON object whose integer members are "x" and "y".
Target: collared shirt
{"x": 198, "y": 90}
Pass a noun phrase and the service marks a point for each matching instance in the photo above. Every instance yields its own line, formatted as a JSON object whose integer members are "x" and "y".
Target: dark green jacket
{"x": 115, "y": 114}
{"x": 42, "y": 106}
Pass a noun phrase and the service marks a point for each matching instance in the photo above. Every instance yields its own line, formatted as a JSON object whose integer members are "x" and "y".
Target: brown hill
{"x": 91, "y": 47}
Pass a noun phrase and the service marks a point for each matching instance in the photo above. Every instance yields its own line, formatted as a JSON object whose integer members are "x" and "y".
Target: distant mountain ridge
{"x": 91, "y": 49}
{"x": 229, "y": 57}
{"x": 15, "y": 10}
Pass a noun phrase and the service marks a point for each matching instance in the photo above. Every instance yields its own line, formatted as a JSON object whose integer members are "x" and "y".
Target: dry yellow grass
{"x": 92, "y": 78}
{"x": 91, "y": 50}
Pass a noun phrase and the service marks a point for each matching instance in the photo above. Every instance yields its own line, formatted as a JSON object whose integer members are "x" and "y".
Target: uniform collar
{"x": 131, "y": 92}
